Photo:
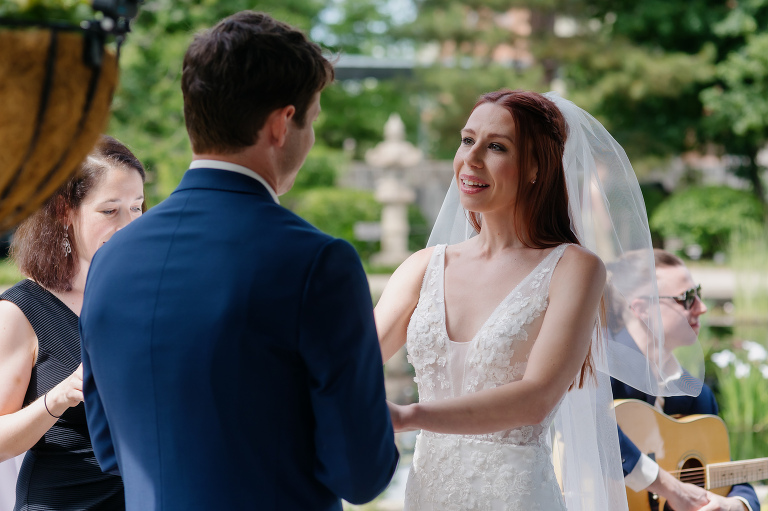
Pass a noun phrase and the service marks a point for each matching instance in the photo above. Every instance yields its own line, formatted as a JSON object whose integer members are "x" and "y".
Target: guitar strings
{"x": 688, "y": 470}
{"x": 695, "y": 476}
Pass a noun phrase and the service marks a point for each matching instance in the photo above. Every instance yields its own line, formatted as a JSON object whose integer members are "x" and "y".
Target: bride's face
{"x": 486, "y": 164}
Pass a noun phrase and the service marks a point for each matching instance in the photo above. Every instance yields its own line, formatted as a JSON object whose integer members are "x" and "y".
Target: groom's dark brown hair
{"x": 235, "y": 74}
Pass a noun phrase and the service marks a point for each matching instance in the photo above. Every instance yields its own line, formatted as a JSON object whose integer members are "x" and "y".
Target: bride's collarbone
{"x": 466, "y": 271}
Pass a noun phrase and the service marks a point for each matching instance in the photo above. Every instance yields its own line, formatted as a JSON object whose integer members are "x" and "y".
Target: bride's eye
{"x": 466, "y": 141}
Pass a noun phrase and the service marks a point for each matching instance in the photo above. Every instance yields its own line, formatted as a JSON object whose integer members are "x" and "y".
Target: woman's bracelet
{"x": 45, "y": 396}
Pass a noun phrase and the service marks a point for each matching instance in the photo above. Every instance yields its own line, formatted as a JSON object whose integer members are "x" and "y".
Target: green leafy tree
{"x": 706, "y": 216}
{"x": 336, "y": 210}
{"x": 72, "y": 11}
{"x": 358, "y": 109}
{"x": 666, "y": 77}
{"x": 737, "y": 105}
{"x": 360, "y": 27}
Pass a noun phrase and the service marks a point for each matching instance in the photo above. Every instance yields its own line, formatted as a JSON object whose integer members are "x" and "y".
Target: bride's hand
{"x": 401, "y": 415}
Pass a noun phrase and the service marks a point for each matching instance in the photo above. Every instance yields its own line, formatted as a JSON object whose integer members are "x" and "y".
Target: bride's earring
{"x": 533, "y": 181}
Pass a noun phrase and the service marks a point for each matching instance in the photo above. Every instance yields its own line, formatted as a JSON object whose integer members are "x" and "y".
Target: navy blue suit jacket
{"x": 674, "y": 405}
{"x": 231, "y": 358}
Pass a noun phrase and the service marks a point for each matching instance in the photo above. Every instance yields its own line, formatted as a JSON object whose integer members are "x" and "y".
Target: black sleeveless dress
{"x": 60, "y": 472}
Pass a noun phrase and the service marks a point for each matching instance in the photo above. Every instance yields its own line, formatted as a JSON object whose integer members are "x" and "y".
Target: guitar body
{"x": 675, "y": 444}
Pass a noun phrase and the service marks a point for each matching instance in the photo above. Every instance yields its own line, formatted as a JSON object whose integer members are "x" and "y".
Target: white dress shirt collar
{"x": 233, "y": 167}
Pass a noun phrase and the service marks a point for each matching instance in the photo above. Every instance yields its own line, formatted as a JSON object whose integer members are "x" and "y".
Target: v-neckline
{"x": 498, "y": 306}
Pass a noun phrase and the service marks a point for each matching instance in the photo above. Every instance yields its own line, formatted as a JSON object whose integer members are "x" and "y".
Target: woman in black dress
{"x": 41, "y": 386}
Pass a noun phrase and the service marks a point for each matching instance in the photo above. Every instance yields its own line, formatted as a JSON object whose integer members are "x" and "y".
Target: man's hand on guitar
{"x": 682, "y": 496}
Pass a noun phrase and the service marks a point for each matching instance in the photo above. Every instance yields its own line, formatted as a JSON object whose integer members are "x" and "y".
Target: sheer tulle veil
{"x": 608, "y": 216}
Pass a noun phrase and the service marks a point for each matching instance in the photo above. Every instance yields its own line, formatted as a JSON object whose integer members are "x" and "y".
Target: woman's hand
{"x": 66, "y": 394}
{"x": 719, "y": 503}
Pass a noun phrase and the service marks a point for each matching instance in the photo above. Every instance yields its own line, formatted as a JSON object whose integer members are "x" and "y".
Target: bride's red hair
{"x": 541, "y": 209}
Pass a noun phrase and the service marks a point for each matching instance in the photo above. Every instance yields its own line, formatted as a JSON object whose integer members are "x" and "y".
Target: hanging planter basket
{"x": 55, "y": 94}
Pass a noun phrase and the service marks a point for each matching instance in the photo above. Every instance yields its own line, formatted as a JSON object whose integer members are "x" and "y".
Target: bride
{"x": 502, "y": 326}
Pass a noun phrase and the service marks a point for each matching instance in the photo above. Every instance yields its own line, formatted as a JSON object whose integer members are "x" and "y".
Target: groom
{"x": 229, "y": 350}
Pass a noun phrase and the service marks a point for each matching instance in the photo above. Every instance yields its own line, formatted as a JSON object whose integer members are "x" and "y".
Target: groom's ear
{"x": 278, "y": 124}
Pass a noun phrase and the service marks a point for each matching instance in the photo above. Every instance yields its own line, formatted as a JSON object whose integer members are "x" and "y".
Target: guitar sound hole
{"x": 693, "y": 472}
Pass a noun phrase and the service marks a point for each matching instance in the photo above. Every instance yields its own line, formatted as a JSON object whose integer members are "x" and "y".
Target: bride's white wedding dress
{"x": 507, "y": 470}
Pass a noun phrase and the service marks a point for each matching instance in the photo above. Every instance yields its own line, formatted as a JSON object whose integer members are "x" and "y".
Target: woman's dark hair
{"x": 235, "y": 74}
{"x": 37, "y": 246}
{"x": 541, "y": 209}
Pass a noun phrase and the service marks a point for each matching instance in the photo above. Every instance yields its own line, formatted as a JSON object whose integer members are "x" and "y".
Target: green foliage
{"x": 653, "y": 195}
{"x": 72, "y": 11}
{"x": 420, "y": 229}
{"x": 738, "y": 103}
{"x": 677, "y": 26}
{"x": 742, "y": 393}
{"x": 647, "y": 98}
{"x": 355, "y": 26}
{"x": 9, "y": 273}
{"x": 748, "y": 253}
{"x": 358, "y": 110}
{"x": 673, "y": 76}
{"x": 706, "y": 216}
{"x": 320, "y": 168}
{"x": 336, "y": 210}
{"x": 473, "y": 28}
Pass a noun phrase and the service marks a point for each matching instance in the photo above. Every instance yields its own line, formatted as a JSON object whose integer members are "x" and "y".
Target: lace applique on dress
{"x": 506, "y": 470}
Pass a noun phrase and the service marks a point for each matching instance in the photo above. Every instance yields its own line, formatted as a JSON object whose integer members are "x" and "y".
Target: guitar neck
{"x": 736, "y": 472}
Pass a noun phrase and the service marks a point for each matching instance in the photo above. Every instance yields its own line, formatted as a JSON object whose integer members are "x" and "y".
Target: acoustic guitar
{"x": 695, "y": 449}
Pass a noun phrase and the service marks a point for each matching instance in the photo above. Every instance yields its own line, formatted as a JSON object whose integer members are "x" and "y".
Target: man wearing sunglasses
{"x": 687, "y": 299}
{"x": 681, "y": 306}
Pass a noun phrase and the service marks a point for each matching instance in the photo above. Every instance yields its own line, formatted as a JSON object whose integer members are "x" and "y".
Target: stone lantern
{"x": 393, "y": 157}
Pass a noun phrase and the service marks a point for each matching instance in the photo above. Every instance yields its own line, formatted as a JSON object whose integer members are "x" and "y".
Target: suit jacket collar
{"x": 223, "y": 180}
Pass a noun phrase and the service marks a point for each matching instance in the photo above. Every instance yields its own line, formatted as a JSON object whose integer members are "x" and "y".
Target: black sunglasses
{"x": 688, "y": 298}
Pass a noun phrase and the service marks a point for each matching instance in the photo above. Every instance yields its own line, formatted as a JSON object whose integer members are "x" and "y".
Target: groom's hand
{"x": 402, "y": 416}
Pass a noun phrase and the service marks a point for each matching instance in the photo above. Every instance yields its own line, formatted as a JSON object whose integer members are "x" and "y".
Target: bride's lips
{"x": 470, "y": 184}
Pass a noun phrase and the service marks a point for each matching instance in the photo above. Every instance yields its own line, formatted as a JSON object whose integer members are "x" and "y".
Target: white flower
{"x": 741, "y": 370}
{"x": 764, "y": 370}
{"x": 724, "y": 358}
{"x": 755, "y": 351}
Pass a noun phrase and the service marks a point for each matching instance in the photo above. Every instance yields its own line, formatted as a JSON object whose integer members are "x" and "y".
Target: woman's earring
{"x": 533, "y": 181}
{"x": 65, "y": 243}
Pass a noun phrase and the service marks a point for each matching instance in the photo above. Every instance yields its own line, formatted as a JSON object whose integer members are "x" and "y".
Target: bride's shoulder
{"x": 417, "y": 263}
{"x": 583, "y": 261}
{"x": 403, "y": 287}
